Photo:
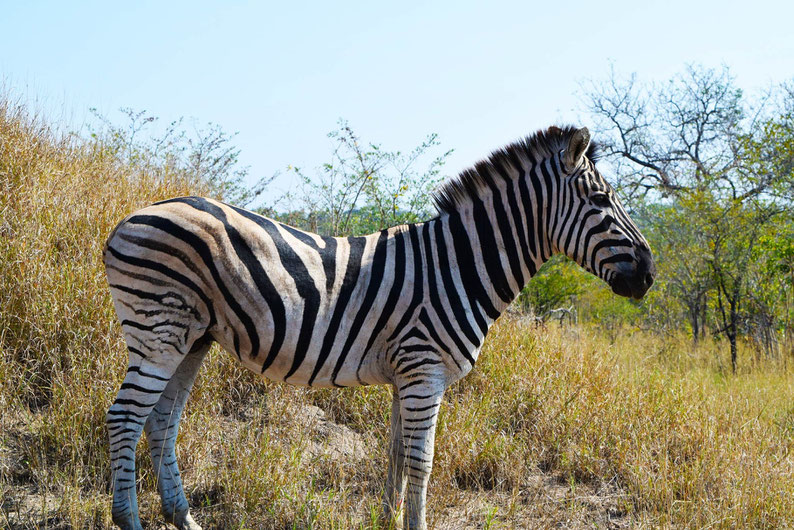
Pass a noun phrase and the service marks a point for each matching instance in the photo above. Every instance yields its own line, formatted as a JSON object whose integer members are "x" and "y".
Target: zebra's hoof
{"x": 186, "y": 522}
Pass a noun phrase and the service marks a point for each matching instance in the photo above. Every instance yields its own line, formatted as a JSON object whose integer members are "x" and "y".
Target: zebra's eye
{"x": 601, "y": 200}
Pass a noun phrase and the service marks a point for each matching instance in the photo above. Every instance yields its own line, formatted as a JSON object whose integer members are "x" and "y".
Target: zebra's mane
{"x": 472, "y": 182}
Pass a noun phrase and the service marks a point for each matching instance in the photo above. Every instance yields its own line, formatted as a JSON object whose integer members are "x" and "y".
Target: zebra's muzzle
{"x": 634, "y": 279}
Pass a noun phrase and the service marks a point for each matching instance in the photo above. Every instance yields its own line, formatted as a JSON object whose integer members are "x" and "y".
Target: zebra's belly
{"x": 330, "y": 359}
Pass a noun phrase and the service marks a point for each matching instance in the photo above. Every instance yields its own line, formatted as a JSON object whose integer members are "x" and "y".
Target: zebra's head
{"x": 595, "y": 230}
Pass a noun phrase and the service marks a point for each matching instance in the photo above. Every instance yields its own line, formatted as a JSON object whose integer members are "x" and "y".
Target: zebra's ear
{"x": 577, "y": 147}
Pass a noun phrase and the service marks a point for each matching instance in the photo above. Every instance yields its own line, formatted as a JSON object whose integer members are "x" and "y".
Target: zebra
{"x": 408, "y": 306}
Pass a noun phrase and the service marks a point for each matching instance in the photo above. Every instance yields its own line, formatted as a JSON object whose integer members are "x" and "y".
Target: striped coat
{"x": 408, "y": 306}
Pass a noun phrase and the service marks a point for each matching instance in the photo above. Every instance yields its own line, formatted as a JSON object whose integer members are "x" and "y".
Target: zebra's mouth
{"x": 631, "y": 287}
{"x": 636, "y": 281}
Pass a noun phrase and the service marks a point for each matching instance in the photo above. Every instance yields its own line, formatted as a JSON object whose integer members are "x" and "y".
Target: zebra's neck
{"x": 495, "y": 242}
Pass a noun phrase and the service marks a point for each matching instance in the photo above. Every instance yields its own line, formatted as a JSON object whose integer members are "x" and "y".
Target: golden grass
{"x": 554, "y": 426}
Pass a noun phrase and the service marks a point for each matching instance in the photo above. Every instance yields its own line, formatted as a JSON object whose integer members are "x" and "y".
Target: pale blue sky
{"x": 281, "y": 74}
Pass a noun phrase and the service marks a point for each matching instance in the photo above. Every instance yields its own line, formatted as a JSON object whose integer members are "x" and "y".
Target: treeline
{"x": 709, "y": 173}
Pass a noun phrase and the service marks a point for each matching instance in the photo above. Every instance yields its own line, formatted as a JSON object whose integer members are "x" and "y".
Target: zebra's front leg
{"x": 162, "y": 428}
{"x": 420, "y": 400}
{"x": 395, "y": 478}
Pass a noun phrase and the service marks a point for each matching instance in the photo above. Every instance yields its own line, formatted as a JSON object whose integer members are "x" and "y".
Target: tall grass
{"x": 554, "y": 426}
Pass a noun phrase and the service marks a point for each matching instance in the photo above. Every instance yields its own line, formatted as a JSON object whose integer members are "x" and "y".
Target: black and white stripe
{"x": 408, "y": 306}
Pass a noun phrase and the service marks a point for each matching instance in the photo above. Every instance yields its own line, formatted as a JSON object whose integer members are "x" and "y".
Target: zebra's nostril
{"x": 648, "y": 279}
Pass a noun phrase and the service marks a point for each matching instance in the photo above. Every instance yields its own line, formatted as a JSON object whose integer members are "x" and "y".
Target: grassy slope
{"x": 553, "y": 426}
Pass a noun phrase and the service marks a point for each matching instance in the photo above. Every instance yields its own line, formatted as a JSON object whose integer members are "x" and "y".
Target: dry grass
{"x": 555, "y": 426}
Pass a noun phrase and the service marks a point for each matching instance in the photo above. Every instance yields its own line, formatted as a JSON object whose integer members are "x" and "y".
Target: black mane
{"x": 470, "y": 183}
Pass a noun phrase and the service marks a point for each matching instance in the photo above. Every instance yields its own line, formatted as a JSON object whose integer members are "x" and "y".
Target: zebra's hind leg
{"x": 162, "y": 428}
{"x": 139, "y": 393}
{"x": 395, "y": 477}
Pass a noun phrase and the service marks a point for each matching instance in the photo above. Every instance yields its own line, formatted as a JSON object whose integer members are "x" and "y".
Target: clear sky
{"x": 282, "y": 73}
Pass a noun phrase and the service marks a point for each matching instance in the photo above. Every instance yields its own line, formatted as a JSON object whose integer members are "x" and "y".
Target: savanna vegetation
{"x": 677, "y": 411}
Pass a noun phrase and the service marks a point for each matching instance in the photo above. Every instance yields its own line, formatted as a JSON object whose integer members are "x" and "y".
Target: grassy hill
{"x": 556, "y": 426}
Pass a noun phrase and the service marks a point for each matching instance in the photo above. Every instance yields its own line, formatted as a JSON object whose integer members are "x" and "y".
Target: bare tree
{"x": 673, "y": 137}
